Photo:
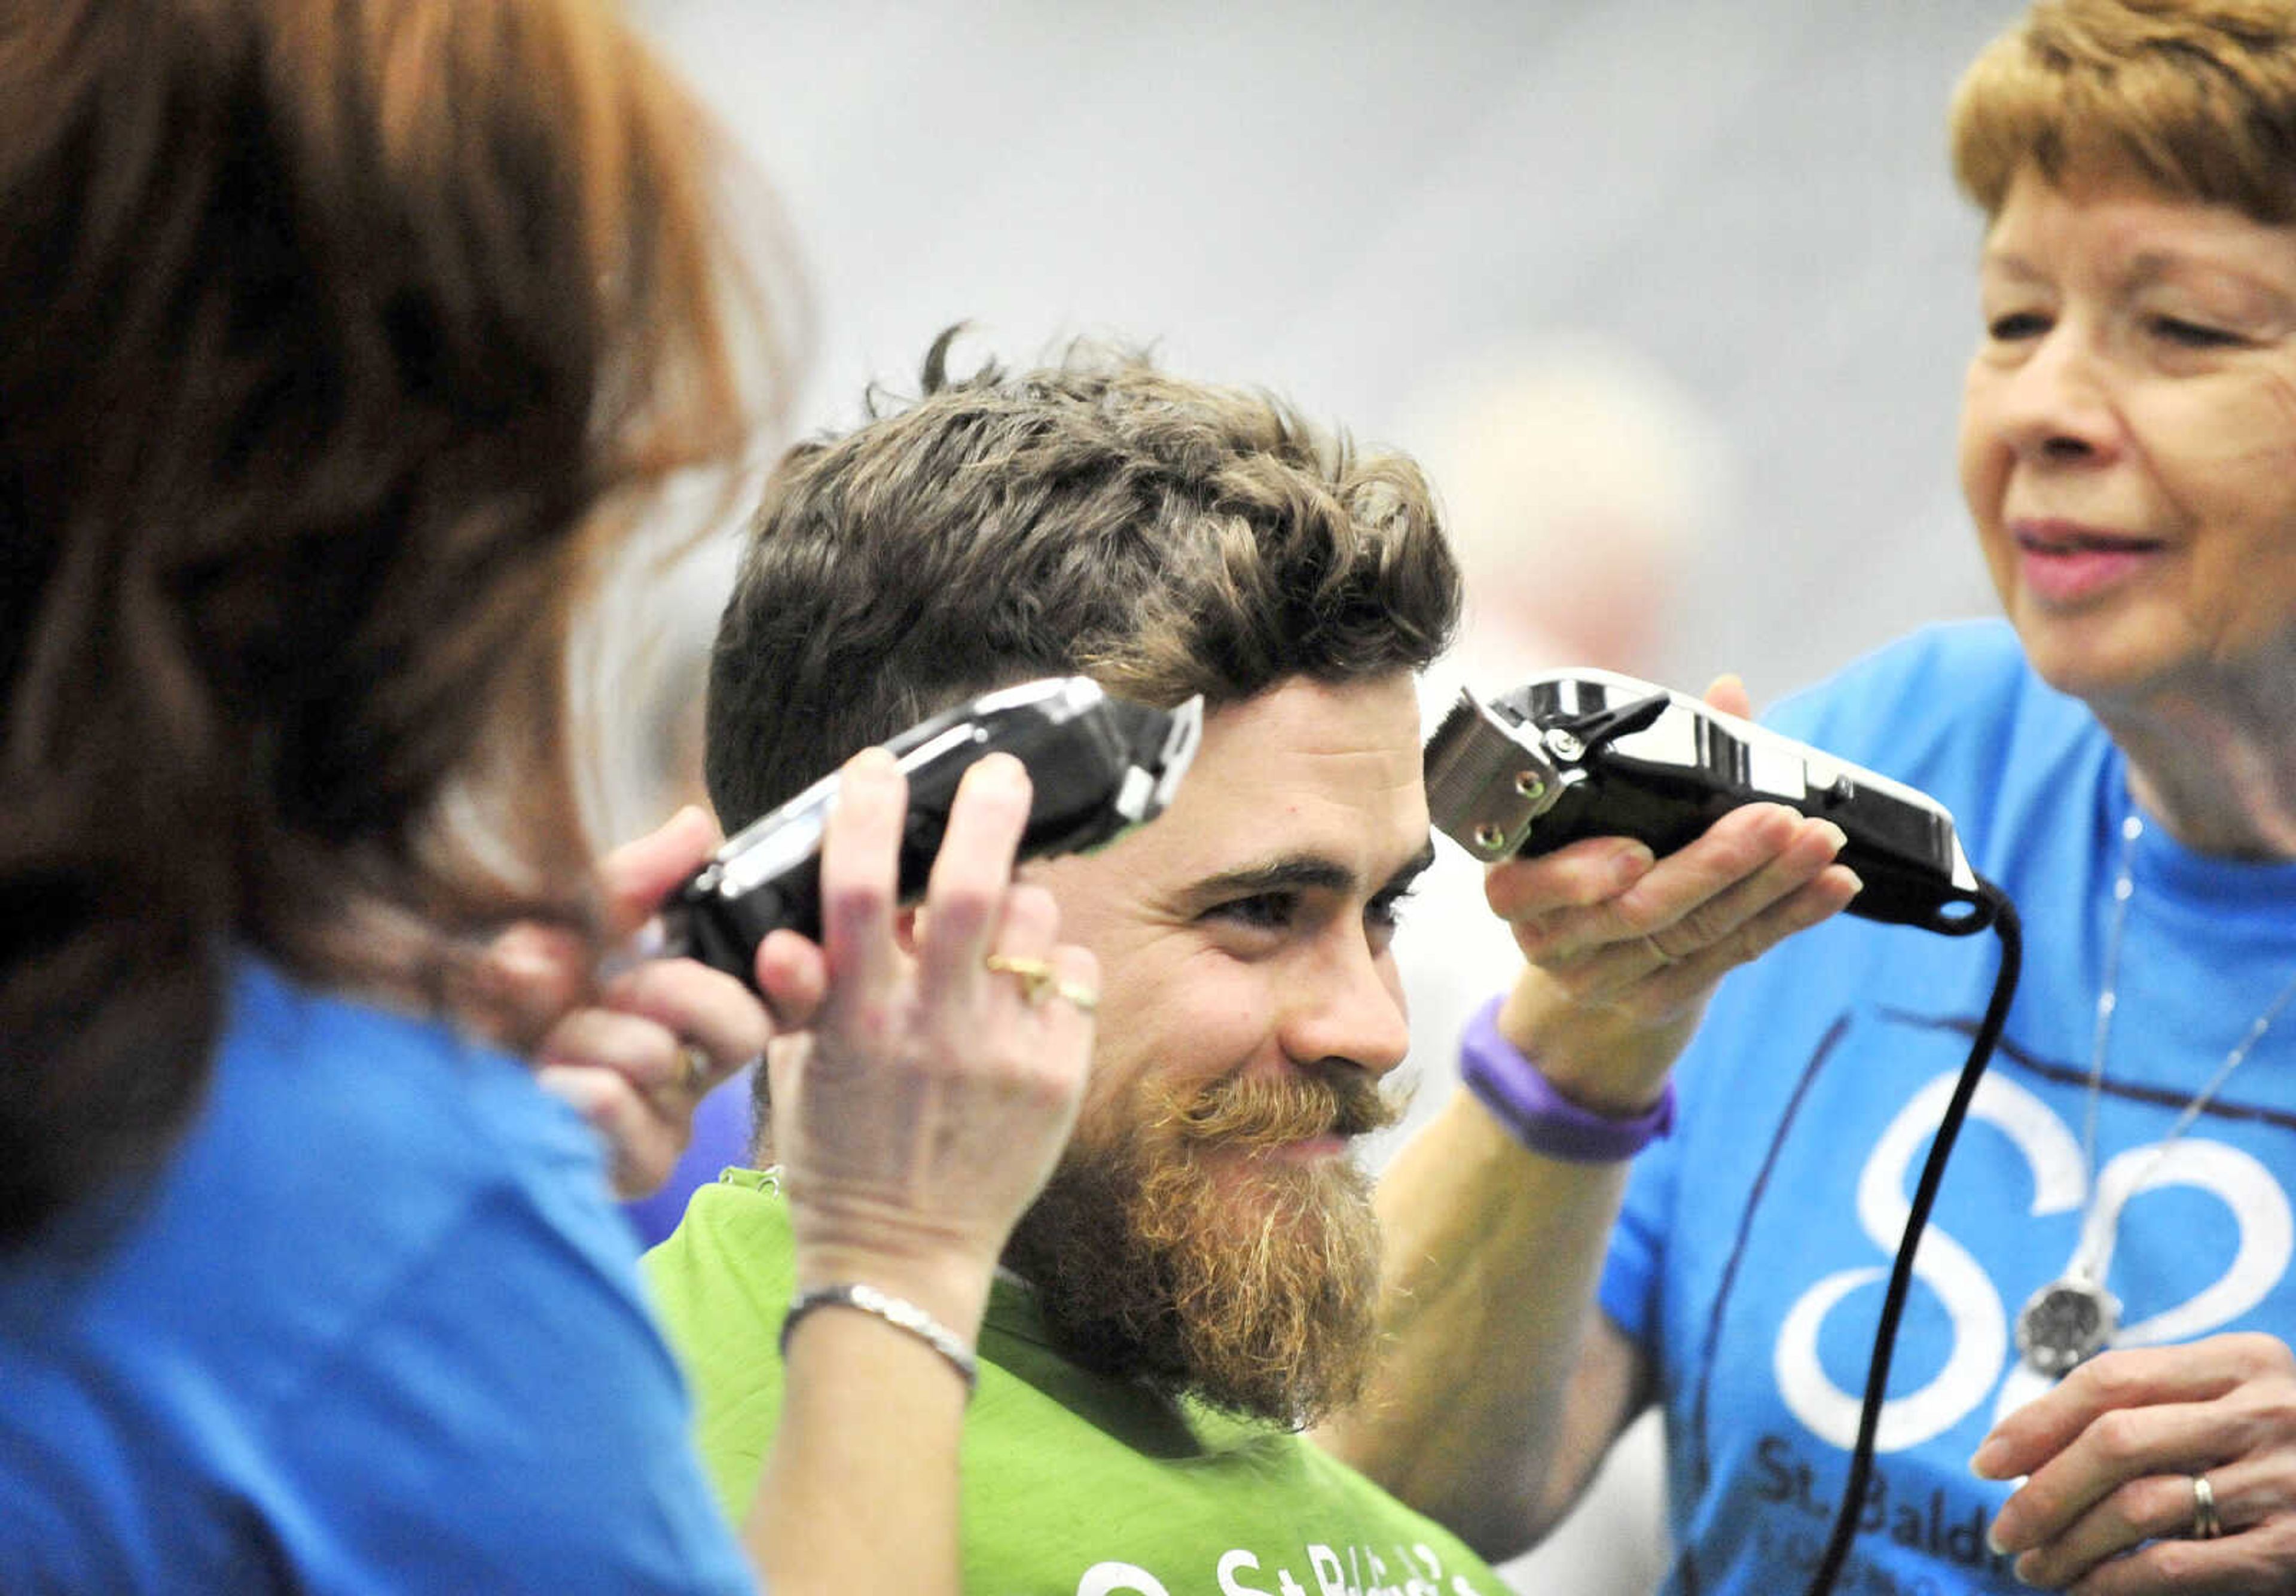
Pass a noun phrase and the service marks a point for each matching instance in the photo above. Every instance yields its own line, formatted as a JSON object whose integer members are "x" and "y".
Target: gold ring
{"x": 1036, "y": 976}
{"x": 1082, "y": 999}
{"x": 1038, "y": 981}
{"x": 2206, "y": 1524}
{"x": 694, "y": 1069}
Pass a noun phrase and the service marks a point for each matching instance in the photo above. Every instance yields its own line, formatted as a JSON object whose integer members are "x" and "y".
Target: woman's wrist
{"x": 1612, "y": 1061}
{"x": 1543, "y": 1116}
{"x": 889, "y": 1309}
{"x": 946, "y": 1277}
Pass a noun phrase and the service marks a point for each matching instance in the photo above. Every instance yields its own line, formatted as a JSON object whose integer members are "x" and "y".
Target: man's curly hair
{"x": 1096, "y": 516}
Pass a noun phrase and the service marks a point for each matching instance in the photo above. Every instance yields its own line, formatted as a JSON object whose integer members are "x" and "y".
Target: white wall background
{"x": 1345, "y": 200}
{"x": 1341, "y": 200}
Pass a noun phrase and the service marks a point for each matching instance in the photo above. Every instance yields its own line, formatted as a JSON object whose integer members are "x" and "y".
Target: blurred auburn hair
{"x": 2194, "y": 98}
{"x": 339, "y": 339}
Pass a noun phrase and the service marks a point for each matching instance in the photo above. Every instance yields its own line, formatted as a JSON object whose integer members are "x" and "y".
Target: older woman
{"x": 2121, "y": 756}
{"x": 340, "y": 343}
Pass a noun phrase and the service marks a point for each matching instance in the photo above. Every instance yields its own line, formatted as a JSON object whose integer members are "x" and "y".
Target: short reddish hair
{"x": 2195, "y": 98}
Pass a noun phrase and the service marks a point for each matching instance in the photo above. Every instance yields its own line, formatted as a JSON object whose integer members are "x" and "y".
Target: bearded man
{"x": 1200, "y": 1280}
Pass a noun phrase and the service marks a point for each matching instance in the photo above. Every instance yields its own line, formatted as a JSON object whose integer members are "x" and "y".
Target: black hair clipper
{"x": 1097, "y": 766}
{"x": 1580, "y": 753}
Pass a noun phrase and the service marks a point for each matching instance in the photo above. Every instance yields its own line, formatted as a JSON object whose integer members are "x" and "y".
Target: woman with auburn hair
{"x": 2094, "y": 1388}
{"x": 342, "y": 343}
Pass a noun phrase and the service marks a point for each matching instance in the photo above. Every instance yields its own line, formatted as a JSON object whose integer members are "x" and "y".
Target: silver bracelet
{"x": 897, "y": 1311}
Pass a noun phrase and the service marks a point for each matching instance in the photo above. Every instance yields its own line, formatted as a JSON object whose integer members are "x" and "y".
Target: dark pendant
{"x": 2065, "y": 1324}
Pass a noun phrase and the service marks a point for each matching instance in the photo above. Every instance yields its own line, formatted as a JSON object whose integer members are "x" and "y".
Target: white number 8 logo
{"x": 1981, "y": 1323}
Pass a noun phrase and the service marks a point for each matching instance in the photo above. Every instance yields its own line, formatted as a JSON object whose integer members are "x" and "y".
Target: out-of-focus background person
{"x": 1579, "y": 483}
{"x": 342, "y": 346}
{"x": 1352, "y": 200}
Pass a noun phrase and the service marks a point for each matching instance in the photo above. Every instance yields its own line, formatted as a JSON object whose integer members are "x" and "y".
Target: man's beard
{"x": 1248, "y": 1280}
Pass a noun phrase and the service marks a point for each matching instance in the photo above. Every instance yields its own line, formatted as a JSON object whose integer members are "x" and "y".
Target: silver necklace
{"x": 2073, "y": 1318}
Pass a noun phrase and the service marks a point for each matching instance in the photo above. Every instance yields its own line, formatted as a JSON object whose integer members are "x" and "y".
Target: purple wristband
{"x": 1508, "y": 1083}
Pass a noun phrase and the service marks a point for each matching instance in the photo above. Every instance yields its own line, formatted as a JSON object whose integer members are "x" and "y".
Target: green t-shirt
{"x": 1075, "y": 1484}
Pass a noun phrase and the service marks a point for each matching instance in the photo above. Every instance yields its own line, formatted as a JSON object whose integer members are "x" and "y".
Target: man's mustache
{"x": 1261, "y": 1111}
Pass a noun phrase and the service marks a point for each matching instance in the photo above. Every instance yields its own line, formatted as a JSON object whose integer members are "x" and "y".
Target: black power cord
{"x": 2002, "y": 915}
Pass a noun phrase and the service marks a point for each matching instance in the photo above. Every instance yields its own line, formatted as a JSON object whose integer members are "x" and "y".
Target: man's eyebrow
{"x": 1414, "y": 867}
{"x": 1306, "y": 872}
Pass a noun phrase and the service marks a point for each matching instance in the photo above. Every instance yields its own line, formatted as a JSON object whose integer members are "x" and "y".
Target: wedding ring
{"x": 693, "y": 1069}
{"x": 2206, "y": 1524}
{"x": 1038, "y": 981}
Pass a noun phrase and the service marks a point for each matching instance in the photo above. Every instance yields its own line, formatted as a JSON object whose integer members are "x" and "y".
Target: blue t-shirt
{"x": 376, "y": 1327}
{"x": 1756, "y": 1241}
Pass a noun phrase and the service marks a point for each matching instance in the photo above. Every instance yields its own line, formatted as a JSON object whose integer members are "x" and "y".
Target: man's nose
{"x": 1349, "y": 1007}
